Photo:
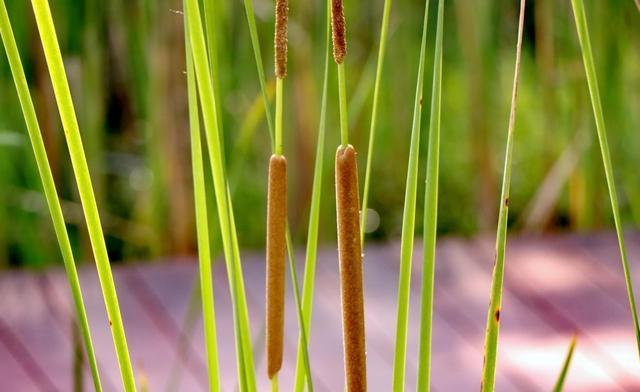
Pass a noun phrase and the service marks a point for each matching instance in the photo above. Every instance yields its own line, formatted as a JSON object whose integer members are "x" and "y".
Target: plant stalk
{"x": 202, "y": 226}
{"x": 53, "y": 56}
{"x": 374, "y": 115}
{"x": 314, "y": 221}
{"x": 594, "y": 92}
{"x": 408, "y": 221}
{"x": 493, "y": 314}
{"x": 431, "y": 212}
{"x": 49, "y": 187}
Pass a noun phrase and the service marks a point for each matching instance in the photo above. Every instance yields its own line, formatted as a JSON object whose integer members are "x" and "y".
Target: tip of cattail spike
{"x": 280, "y": 38}
{"x": 339, "y": 30}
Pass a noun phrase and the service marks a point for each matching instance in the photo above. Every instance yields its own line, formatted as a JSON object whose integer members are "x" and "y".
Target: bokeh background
{"x": 125, "y": 61}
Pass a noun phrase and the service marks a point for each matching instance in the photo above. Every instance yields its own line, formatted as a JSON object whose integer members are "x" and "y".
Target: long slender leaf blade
{"x": 301, "y": 323}
{"x": 592, "y": 81}
{"x": 246, "y": 372}
{"x": 202, "y": 227}
{"x": 53, "y": 56}
{"x": 558, "y": 387}
{"x": 408, "y": 221}
{"x": 314, "y": 219}
{"x": 49, "y": 187}
{"x": 255, "y": 43}
{"x": 493, "y": 313}
{"x": 384, "y": 30}
{"x": 431, "y": 211}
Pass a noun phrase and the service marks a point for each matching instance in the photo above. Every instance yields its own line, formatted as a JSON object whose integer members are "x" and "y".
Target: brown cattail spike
{"x": 350, "y": 268}
{"x": 339, "y": 29}
{"x": 276, "y": 226}
{"x": 280, "y": 39}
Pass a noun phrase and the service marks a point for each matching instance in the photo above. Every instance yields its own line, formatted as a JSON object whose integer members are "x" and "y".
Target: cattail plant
{"x": 348, "y": 220}
{"x": 276, "y": 331}
{"x": 277, "y": 210}
{"x": 493, "y": 314}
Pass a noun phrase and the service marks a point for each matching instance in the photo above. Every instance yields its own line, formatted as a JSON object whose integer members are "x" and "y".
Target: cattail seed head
{"x": 280, "y": 38}
{"x": 350, "y": 255}
{"x": 276, "y": 248}
{"x": 339, "y": 30}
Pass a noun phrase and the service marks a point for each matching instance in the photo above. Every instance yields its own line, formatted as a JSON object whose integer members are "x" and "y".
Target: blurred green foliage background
{"x": 125, "y": 61}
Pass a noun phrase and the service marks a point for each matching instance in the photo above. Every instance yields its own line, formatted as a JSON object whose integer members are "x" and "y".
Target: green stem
{"x": 431, "y": 212}
{"x": 53, "y": 57}
{"x": 48, "y": 185}
{"x": 374, "y": 115}
{"x": 202, "y": 226}
{"x": 342, "y": 91}
{"x": 565, "y": 366}
{"x": 493, "y": 314}
{"x": 592, "y": 81}
{"x": 278, "y": 133}
{"x": 408, "y": 221}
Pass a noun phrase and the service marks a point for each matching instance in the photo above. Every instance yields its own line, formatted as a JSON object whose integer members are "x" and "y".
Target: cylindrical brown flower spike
{"x": 276, "y": 247}
{"x": 349, "y": 248}
{"x": 280, "y": 38}
{"x": 339, "y": 30}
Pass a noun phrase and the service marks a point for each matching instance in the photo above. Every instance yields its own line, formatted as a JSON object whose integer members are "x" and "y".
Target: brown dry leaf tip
{"x": 275, "y": 269}
{"x": 280, "y": 38}
{"x": 350, "y": 256}
{"x": 339, "y": 30}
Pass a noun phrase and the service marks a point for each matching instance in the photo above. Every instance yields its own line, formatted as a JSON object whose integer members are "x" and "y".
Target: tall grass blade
{"x": 255, "y": 43}
{"x": 592, "y": 81}
{"x": 565, "y": 366}
{"x": 314, "y": 221}
{"x": 408, "y": 221}
{"x": 374, "y": 115}
{"x": 202, "y": 227}
{"x": 493, "y": 314}
{"x": 212, "y": 46}
{"x": 49, "y": 187}
{"x": 247, "y": 351}
{"x": 246, "y": 372}
{"x": 62, "y": 92}
{"x": 431, "y": 212}
{"x": 301, "y": 323}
